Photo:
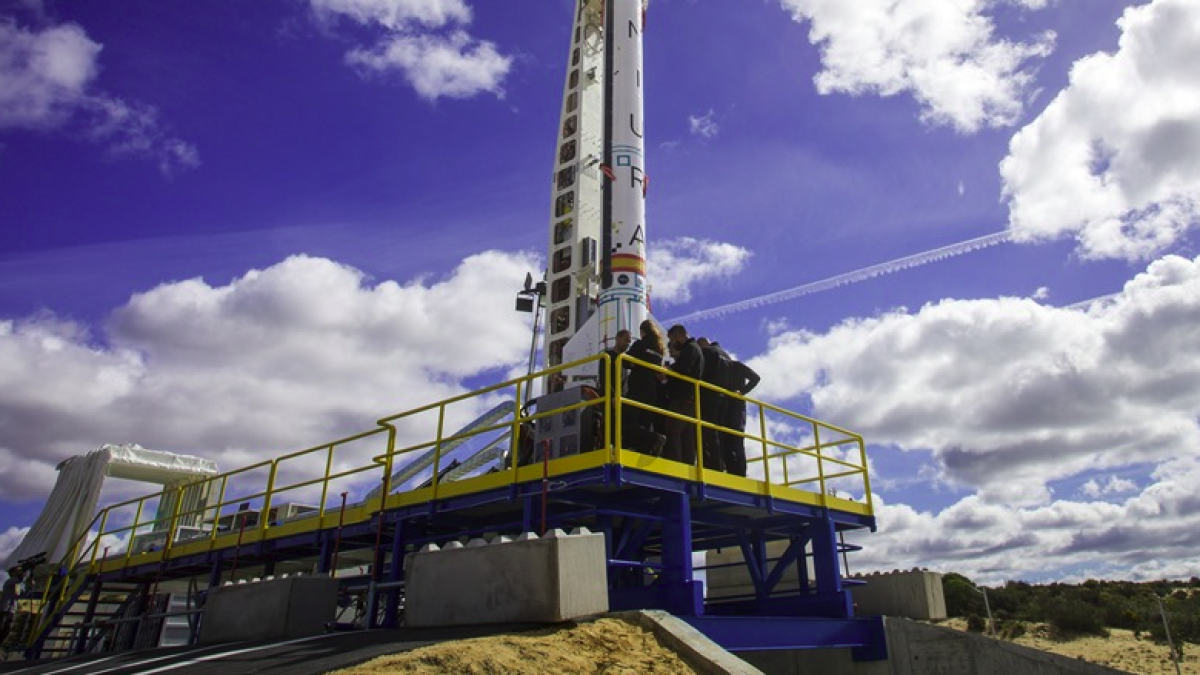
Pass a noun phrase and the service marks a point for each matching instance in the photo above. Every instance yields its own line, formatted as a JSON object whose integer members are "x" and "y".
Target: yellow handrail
{"x": 613, "y": 433}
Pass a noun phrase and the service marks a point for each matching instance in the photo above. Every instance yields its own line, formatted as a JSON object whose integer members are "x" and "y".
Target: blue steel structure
{"x": 655, "y": 515}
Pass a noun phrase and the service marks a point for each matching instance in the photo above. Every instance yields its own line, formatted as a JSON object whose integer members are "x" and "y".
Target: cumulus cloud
{"x": 277, "y": 360}
{"x": 945, "y": 54}
{"x": 1151, "y": 535}
{"x": 677, "y": 265}
{"x": 1008, "y": 394}
{"x": 704, "y": 126}
{"x": 9, "y": 539}
{"x": 1114, "y": 485}
{"x": 1114, "y": 160}
{"x": 46, "y": 83}
{"x": 426, "y": 42}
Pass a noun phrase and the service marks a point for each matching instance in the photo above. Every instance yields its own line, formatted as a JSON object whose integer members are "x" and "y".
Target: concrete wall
{"x": 916, "y": 594}
{"x": 267, "y": 610}
{"x": 921, "y": 649}
{"x": 556, "y": 578}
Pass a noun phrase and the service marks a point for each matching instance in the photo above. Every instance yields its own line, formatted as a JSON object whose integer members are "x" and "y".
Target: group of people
{"x": 698, "y": 359}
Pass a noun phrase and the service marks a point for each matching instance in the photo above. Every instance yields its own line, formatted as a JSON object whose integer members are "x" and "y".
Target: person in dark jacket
{"x": 713, "y": 401}
{"x": 620, "y": 345}
{"x": 681, "y": 394}
{"x": 643, "y": 427}
{"x": 740, "y": 379}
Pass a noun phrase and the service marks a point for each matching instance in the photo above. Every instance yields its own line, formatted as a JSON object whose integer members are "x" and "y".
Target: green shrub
{"x": 1069, "y": 615}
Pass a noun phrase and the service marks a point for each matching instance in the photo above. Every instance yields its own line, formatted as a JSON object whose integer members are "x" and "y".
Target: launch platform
{"x": 446, "y": 472}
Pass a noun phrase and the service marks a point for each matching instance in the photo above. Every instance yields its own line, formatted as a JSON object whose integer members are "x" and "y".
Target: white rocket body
{"x": 597, "y": 277}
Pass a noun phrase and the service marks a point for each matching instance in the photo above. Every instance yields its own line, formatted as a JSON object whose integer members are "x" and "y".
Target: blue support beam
{"x": 865, "y": 635}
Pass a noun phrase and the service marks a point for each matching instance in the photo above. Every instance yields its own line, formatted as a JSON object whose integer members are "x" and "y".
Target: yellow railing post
{"x": 820, "y": 463}
{"x": 612, "y": 408}
{"x": 437, "y": 455}
{"x": 699, "y": 434}
{"x": 388, "y": 463}
{"x": 99, "y": 536}
{"x": 264, "y": 519}
{"x": 514, "y": 441}
{"x": 133, "y": 530}
{"x": 173, "y": 522}
{"x": 220, "y": 505}
{"x": 325, "y": 482}
{"x": 862, "y": 455}
{"x": 766, "y": 450}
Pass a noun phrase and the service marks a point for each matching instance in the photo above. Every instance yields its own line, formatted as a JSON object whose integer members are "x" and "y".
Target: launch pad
{"x": 807, "y": 485}
{"x": 353, "y": 509}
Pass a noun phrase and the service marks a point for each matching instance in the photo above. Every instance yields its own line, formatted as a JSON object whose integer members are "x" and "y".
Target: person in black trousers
{"x": 689, "y": 362}
{"x": 741, "y": 379}
{"x": 644, "y": 428}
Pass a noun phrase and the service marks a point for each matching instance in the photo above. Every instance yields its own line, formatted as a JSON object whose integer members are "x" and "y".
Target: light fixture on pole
{"x": 529, "y": 299}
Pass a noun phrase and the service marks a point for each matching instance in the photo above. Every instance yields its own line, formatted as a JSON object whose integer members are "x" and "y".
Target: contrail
{"x": 1087, "y": 304}
{"x": 848, "y": 278}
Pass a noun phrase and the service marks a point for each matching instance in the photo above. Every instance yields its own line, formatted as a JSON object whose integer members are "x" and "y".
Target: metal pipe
{"x": 237, "y": 551}
{"x": 545, "y": 482}
{"x": 337, "y": 539}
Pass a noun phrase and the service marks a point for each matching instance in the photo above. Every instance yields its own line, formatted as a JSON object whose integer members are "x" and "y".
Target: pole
{"x": 337, "y": 540}
{"x": 987, "y": 608}
{"x": 537, "y": 316}
{"x": 1167, "y": 629}
{"x": 237, "y": 551}
{"x": 545, "y": 482}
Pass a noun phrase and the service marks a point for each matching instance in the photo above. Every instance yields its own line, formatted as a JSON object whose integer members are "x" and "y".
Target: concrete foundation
{"x": 548, "y": 580}
{"x": 269, "y": 610}
{"x": 921, "y": 649}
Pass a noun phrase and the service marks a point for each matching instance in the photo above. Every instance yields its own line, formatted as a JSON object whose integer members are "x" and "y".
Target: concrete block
{"x": 725, "y": 581}
{"x": 915, "y": 595}
{"x": 269, "y": 610}
{"x": 544, "y": 580}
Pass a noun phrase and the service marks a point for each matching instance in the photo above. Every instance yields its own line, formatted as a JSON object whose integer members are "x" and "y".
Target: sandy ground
{"x": 608, "y": 646}
{"x": 1120, "y": 650}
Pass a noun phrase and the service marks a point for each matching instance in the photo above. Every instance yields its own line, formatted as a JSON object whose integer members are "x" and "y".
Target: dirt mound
{"x": 608, "y": 646}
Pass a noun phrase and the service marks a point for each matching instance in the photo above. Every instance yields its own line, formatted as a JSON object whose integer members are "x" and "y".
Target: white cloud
{"x": 8, "y": 542}
{"x": 704, "y": 126}
{"x": 1011, "y": 395}
{"x": 945, "y": 54}
{"x": 277, "y": 360}
{"x": 678, "y": 264}
{"x": 46, "y": 80}
{"x": 1114, "y": 160}
{"x": 43, "y": 75}
{"x": 419, "y": 38}
{"x": 1113, "y": 486}
{"x": 397, "y": 14}
{"x": 454, "y": 66}
{"x": 1154, "y": 534}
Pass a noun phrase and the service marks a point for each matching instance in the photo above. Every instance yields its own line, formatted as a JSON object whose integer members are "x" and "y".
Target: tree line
{"x": 1089, "y": 608}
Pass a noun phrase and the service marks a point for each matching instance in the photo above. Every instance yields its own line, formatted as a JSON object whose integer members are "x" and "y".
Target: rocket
{"x": 597, "y": 253}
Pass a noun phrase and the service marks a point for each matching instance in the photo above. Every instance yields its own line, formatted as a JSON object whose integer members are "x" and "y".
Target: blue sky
{"x": 320, "y": 210}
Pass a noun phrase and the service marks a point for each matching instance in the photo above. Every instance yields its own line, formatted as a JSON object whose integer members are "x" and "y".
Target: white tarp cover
{"x": 72, "y": 503}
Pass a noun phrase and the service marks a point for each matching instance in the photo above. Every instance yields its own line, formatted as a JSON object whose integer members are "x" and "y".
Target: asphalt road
{"x": 304, "y": 656}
